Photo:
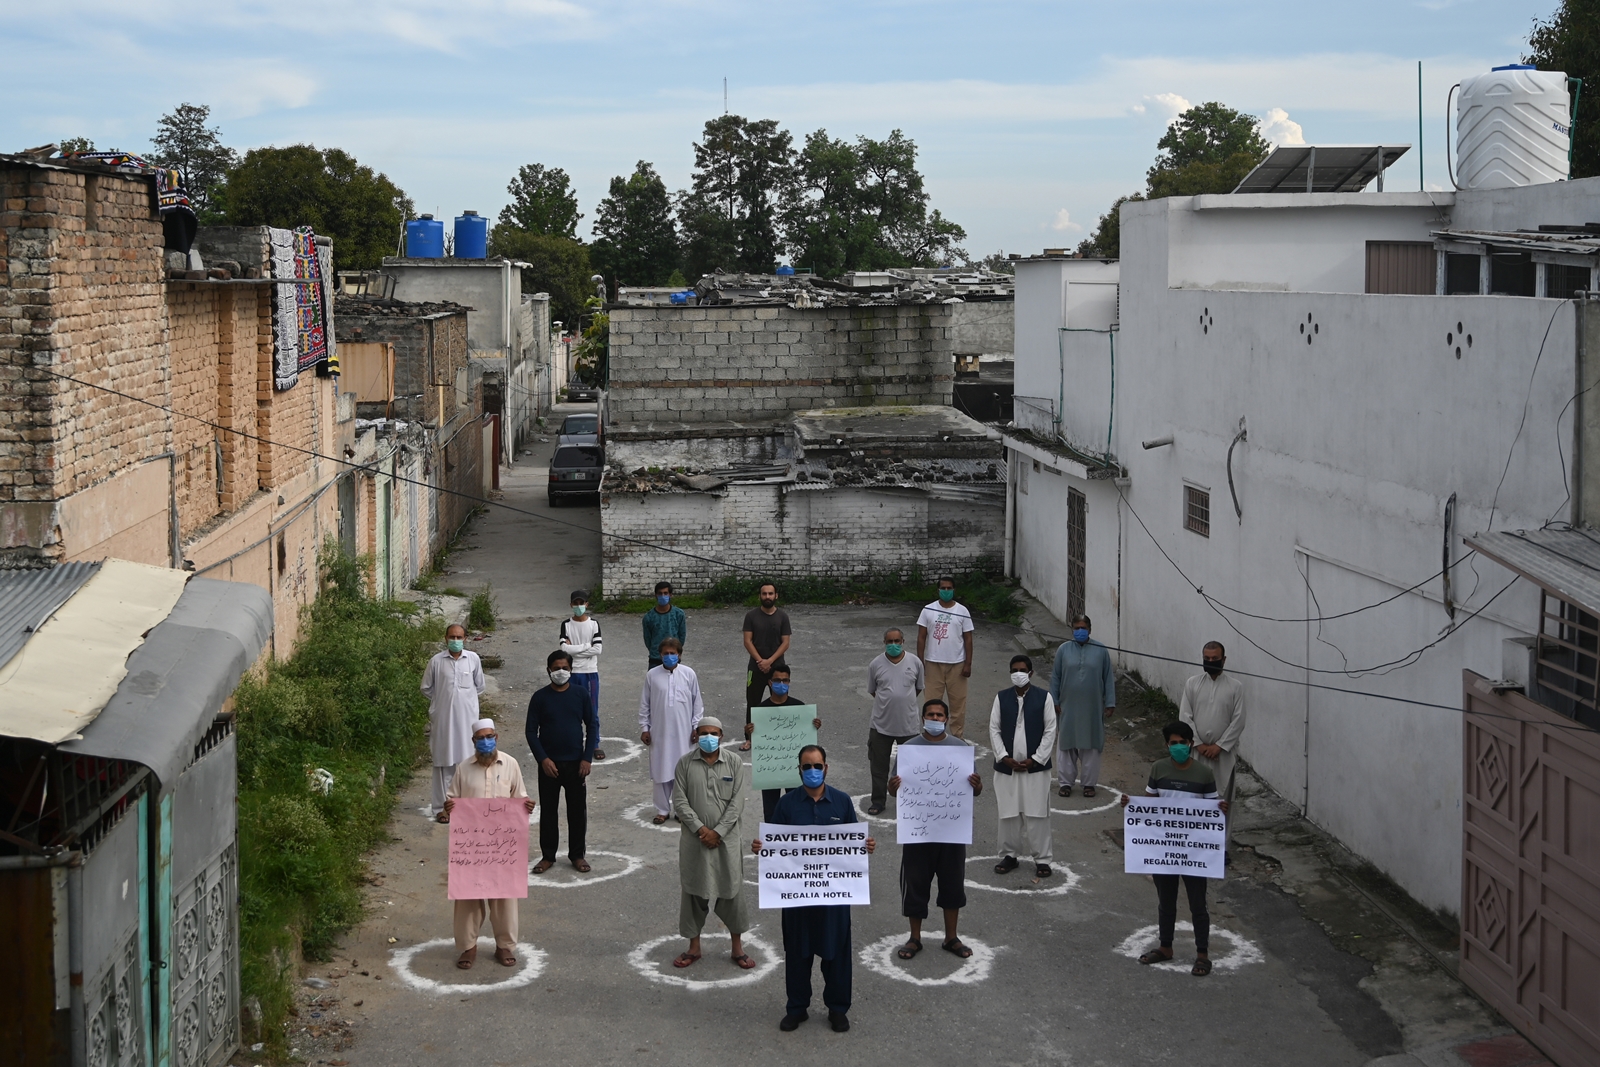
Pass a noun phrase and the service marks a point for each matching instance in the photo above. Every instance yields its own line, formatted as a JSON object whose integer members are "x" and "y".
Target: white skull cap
{"x": 483, "y": 724}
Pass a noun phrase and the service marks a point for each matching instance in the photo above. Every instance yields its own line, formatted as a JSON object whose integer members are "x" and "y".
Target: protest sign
{"x": 804, "y": 865}
{"x": 775, "y": 746}
{"x": 1173, "y": 835}
{"x": 935, "y": 799}
{"x": 488, "y": 849}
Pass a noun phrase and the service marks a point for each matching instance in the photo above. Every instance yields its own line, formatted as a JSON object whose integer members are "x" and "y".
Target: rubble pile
{"x": 885, "y": 288}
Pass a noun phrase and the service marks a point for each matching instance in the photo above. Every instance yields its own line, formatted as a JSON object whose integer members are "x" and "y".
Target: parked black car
{"x": 580, "y": 392}
{"x": 575, "y": 471}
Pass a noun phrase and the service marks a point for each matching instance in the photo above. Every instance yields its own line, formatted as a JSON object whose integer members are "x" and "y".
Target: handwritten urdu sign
{"x": 804, "y": 865}
{"x": 935, "y": 799}
{"x": 488, "y": 849}
{"x": 1173, "y": 835}
{"x": 775, "y": 746}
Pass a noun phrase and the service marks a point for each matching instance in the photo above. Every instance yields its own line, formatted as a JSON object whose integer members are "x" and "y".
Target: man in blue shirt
{"x": 663, "y": 621}
{"x": 563, "y": 730}
{"x": 817, "y": 930}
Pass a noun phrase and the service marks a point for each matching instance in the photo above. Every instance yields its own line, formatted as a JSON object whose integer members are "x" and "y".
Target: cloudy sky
{"x": 1030, "y": 115}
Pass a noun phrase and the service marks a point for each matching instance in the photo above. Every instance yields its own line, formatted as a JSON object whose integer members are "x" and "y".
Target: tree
{"x": 636, "y": 239}
{"x": 729, "y": 217}
{"x": 326, "y": 189}
{"x": 996, "y": 262}
{"x": 184, "y": 141}
{"x": 542, "y": 202}
{"x": 69, "y": 145}
{"x": 1106, "y": 241}
{"x": 1570, "y": 41}
{"x": 556, "y": 265}
{"x": 1207, "y": 149}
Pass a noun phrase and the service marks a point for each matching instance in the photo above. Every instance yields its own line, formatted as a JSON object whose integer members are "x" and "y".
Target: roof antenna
{"x": 724, "y": 96}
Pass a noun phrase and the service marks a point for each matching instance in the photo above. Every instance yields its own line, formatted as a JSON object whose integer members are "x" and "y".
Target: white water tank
{"x": 1512, "y": 128}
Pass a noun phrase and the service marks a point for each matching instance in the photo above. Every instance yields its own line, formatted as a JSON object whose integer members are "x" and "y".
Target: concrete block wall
{"x": 712, "y": 364}
{"x": 777, "y": 530}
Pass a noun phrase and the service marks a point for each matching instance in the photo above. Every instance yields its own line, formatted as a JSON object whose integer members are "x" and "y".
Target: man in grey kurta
{"x": 1213, "y": 703}
{"x": 1084, "y": 686}
{"x": 708, "y": 799}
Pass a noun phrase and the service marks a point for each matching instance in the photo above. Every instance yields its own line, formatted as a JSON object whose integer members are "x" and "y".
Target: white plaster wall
{"x": 1565, "y": 203}
{"x": 1041, "y": 543}
{"x": 1051, "y": 294}
{"x": 491, "y": 288}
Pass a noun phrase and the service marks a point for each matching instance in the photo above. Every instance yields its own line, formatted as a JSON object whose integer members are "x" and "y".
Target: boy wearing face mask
{"x": 1022, "y": 734}
{"x": 562, "y": 731}
{"x": 452, "y": 683}
{"x": 1180, "y": 774}
{"x": 580, "y": 638}
{"x": 1213, "y": 703}
{"x": 663, "y": 621}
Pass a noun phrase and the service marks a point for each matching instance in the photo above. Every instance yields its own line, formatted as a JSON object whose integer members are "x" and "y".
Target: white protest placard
{"x": 934, "y": 803}
{"x": 1173, "y": 835}
{"x": 775, "y": 746}
{"x": 804, "y": 865}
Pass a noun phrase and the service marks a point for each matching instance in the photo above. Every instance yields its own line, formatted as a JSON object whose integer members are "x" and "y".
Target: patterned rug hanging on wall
{"x": 300, "y": 307}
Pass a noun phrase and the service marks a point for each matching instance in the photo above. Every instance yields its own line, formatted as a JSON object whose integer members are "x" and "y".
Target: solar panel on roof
{"x": 1329, "y": 168}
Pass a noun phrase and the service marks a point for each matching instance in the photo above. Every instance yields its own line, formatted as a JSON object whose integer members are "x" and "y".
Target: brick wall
{"x": 833, "y": 532}
{"x": 750, "y": 363}
{"x": 428, "y": 349}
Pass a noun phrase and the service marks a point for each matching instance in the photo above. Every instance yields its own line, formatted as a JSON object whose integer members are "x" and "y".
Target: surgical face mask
{"x": 484, "y": 745}
{"x": 947, "y": 595}
{"x": 1179, "y": 753}
{"x": 1213, "y": 666}
{"x": 812, "y": 777}
{"x": 455, "y": 644}
{"x": 709, "y": 743}
{"x": 780, "y": 689}
{"x": 560, "y": 677}
{"x": 663, "y": 599}
{"x": 579, "y": 610}
{"x": 669, "y": 660}
{"x": 893, "y": 649}
{"x": 1020, "y": 678}
{"x": 933, "y": 727}
{"x": 1080, "y": 635}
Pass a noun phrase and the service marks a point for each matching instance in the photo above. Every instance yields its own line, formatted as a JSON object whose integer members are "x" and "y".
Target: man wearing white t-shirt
{"x": 944, "y": 645}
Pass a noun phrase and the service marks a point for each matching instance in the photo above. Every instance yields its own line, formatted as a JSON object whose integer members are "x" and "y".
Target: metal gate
{"x": 1530, "y": 879}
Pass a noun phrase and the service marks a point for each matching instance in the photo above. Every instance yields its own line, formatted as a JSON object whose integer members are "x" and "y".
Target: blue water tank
{"x": 425, "y": 238}
{"x": 785, "y": 270}
{"x": 472, "y": 236}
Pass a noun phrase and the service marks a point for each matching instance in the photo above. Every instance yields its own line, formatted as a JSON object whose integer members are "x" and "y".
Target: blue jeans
{"x": 590, "y": 683}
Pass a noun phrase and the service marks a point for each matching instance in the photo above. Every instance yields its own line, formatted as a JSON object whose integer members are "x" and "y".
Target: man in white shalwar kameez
{"x": 452, "y": 683}
{"x": 670, "y": 710}
{"x": 1213, "y": 703}
{"x": 1022, "y": 733}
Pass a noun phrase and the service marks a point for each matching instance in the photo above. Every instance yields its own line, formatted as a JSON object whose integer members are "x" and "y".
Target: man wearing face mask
{"x": 781, "y": 697}
{"x": 664, "y": 621}
{"x": 1213, "y": 703}
{"x": 669, "y": 710}
{"x": 562, "y": 731}
{"x": 894, "y": 681}
{"x": 766, "y": 639}
{"x": 580, "y": 639}
{"x": 1083, "y": 684}
{"x": 1022, "y": 734}
{"x": 708, "y": 797}
{"x": 452, "y": 683}
{"x": 816, "y": 931}
{"x": 488, "y": 774}
{"x": 944, "y": 645}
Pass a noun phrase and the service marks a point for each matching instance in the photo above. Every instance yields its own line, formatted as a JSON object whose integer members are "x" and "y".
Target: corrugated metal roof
{"x": 1571, "y": 243}
{"x": 1565, "y": 562}
{"x": 28, "y": 598}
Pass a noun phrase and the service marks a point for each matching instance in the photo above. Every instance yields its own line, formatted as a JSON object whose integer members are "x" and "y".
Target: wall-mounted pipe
{"x": 1158, "y": 442}
{"x": 1240, "y": 436}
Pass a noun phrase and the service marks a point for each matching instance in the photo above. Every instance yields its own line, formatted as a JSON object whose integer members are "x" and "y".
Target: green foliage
{"x": 996, "y": 261}
{"x": 1140, "y": 698}
{"x": 591, "y": 362}
{"x": 347, "y": 701}
{"x": 636, "y": 240}
{"x": 184, "y": 141}
{"x": 326, "y": 189}
{"x": 1570, "y": 40}
{"x": 1207, "y": 149}
{"x": 1106, "y": 241}
{"x": 481, "y": 609}
{"x": 70, "y": 145}
{"x": 556, "y": 265}
{"x": 743, "y": 172}
{"x": 542, "y": 202}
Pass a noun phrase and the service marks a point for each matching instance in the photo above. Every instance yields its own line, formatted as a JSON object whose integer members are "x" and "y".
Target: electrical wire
{"x": 1526, "y": 400}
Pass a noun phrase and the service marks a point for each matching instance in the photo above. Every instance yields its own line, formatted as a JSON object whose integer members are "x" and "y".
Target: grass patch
{"x": 1141, "y": 698}
{"x": 481, "y": 609}
{"x": 983, "y": 592}
{"x": 347, "y": 701}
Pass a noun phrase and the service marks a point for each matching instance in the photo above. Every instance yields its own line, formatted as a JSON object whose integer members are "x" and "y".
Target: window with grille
{"x": 1568, "y": 658}
{"x": 1562, "y": 280}
{"x": 1197, "y": 510}
{"x": 1077, "y": 550}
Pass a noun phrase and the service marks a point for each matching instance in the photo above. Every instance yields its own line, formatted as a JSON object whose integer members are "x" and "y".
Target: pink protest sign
{"x": 488, "y": 849}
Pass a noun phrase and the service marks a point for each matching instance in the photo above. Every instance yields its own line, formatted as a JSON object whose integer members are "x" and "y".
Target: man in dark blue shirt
{"x": 563, "y": 730}
{"x": 817, "y": 930}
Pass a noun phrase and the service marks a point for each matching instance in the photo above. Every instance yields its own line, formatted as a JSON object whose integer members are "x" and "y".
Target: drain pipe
{"x": 80, "y": 1044}
{"x": 1011, "y": 510}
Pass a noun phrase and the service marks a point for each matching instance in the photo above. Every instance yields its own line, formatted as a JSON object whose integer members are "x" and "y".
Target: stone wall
{"x": 428, "y": 350}
{"x": 711, "y": 364}
{"x": 780, "y": 530}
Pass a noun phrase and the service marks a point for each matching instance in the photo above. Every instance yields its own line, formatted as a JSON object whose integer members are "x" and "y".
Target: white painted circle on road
{"x": 576, "y": 880}
{"x": 766, "y": 963}
{"x": 1107, "y": 806}
{"x": 880, "y": 958}
{"x": 1241, "y": 950}
{"x": 861, "y": 809}
{"x": 1062, "y": 879}
{"x": 641, "y": 814}
{"x": 530, "y": 965}
{"x": 630, "y": 749}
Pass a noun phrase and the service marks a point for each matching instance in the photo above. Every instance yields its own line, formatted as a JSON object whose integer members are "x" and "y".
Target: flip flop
{"x": 582, "y": 865}
{"x": 909, "y": 949}
{"x": 1202, "y": 967}
{"x": 467, "y": 958}
{"x": 744, "y": 962}
{"x": 1088, "y": 791}
{"x": 1155, "y": 955}
{"x": 504, "y": 957}
{"x": 956, "y": 948}
{"x": 685, "y": 959}
{"x": 658, "y": 820}
{"x": 543, "y": 865}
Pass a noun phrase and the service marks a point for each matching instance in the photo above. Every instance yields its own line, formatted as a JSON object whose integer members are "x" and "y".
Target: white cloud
{"x": 1063, "y": 223}
{"x": 1277, "y": 127}
{"x": 1171, "y": 105}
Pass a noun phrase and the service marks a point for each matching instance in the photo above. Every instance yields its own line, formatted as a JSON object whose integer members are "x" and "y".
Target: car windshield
{"x": 576, "y": 457}
{"x": 580, "y": 424}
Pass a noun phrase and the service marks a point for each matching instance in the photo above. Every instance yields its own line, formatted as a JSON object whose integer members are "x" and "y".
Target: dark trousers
{"x": 1167, "y": 909}
{"x": 878, "y": 746}
{"x": 590, "y": 683}
{"x": 918, "y": 865}
{"x": 550, "y": 789}
{"x": 769, "y": 801}
{"x": 755, "y": 689}
{"x": 655, "y": 661}
{"x": 835, "y": 982}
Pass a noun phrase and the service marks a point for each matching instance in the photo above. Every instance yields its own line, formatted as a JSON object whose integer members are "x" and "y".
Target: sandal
{"x": 875, "y": 810}
{"x": 504, "y": 957}
{"x": 1064, "y": 791}
{"x": 658, "y": 820}
{"x": 1155, "y": 955}
{"x": 441, "y": 818}
{"x": 1202, "y": 967}
{"x": 1089, "y": 791}
{"x": 599, "y": 754}
{"x": 467, "y": 958}
{"x": 685, "y": 959}
{"x": 1006, "y": 866}
{"x": 909, "y": 949}
{"x": 1041, "y": 870}
{"x": 744, "y": 962}
{"x": 956, "y": 948}
{"x": 745, "y": 747}
{"x": 582, "y": 865}
{"x": 543, "y": 865}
